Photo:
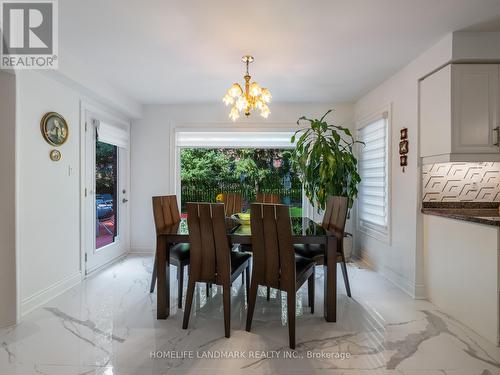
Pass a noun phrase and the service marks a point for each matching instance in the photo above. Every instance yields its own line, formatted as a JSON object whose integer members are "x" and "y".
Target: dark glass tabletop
{"x": 301, "y": 227}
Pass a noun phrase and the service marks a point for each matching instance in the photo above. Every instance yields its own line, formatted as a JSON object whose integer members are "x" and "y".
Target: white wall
{"x": 75, "y": 74}
{"x": 399, "y": 261}
{"x": 151, "y": 149}
{"x": 48, "y": 193}
{"x": 476, "y": 46}
{"x": 7, "y": 199}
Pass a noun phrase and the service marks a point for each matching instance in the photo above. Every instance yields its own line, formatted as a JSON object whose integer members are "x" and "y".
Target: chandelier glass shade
{"x": 251, "y": 97}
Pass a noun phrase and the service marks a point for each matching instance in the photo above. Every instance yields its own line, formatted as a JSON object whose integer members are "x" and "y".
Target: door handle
{"x": 124, "y": 200}
{"x": 497, "y": 129}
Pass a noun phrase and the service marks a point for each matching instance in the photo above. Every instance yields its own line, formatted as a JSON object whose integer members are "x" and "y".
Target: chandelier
{"x": 253, "y": 97}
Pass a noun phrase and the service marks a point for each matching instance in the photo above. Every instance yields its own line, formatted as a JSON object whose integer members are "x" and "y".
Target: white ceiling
{"x": 306, "y": 50}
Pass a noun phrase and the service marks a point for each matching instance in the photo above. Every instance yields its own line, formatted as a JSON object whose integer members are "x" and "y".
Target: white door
{"x": 106, "y": 200}
{"x": 475, "y": 108}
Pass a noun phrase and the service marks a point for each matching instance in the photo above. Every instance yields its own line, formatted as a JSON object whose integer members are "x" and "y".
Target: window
{"x": 207, "y": 173}
{"x": 373, "y": 198}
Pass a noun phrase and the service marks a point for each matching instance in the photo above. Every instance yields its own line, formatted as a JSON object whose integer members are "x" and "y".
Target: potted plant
{"x": 324, "y": 158}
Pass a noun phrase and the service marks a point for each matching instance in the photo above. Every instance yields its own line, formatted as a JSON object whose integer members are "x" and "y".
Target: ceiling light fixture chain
{"x": 247, "y": 60}
{"x": 251, "y": 98}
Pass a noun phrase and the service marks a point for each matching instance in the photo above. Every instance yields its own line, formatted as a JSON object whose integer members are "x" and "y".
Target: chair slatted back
{"x": 209, "y": 245}
{"x": 165, "y": 212}
{"x": 273, "y": 255}
{"x": 336, "y": 214}
{"x": 267, "y": 198}
{"x": 233, "y": 203}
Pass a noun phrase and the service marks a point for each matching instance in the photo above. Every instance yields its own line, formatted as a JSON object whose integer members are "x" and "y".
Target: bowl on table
{"x": 241, "y": 218}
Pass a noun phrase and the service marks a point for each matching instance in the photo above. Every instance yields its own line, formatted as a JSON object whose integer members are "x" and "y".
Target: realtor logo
{"x": 29, "y": 34}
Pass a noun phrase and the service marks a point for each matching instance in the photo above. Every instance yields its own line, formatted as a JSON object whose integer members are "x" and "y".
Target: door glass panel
{"x": 106, "y": 187}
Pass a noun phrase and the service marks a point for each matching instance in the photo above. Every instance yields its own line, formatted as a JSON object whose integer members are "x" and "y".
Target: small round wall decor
{"x": 54, "y": 128}
{"x": 55, "y": 155}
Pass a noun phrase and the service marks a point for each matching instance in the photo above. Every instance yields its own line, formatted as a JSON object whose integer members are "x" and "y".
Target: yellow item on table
{"x": 242, "y": 218}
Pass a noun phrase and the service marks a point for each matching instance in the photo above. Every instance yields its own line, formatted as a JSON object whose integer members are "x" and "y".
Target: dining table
{"x": 304, "y": 231}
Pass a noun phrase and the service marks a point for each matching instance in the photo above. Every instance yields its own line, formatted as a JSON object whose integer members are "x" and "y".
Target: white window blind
{"x": 373, "y": 211}
{"x": 234, "y": 139}
{"x": 112, "y": 134}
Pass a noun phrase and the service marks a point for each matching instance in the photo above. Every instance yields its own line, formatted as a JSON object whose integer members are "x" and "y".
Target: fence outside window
{"x": 203, "y": 191}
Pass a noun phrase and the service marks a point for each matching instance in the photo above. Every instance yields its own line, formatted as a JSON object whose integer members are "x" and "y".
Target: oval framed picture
{"x": 54, "y": 128}
{"x": 55, "y": 155}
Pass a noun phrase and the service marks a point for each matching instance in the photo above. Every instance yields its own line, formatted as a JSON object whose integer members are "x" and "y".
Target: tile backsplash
{"x": 461, "y": 182}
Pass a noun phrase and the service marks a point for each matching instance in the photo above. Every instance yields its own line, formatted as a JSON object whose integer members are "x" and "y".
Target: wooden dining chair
{"x": 263, "y": 198}
{"x": 211, "y": 258}
{"x": 275, "y": 263}
{"x": 267, "y": 198}
{"x": 233, "y": 203}
{"x": 334, "y": 220}
{"x": 166, "y": 214}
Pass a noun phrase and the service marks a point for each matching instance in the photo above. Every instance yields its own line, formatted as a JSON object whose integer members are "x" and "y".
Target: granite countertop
{"x": 476, "y": 212}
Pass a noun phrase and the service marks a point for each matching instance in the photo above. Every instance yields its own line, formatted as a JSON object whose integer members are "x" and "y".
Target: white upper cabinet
{"x": 460, "y": 114}
{"x": 475, "y": 104}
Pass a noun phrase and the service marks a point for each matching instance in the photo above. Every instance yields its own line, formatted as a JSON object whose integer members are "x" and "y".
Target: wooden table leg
{"x": 163, "y": 278}
{"x": 330, "y": 280}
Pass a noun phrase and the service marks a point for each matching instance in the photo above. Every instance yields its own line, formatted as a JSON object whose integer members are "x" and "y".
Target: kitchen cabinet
{"x": 460, "y": 114}
{"x": 462, "y": 272}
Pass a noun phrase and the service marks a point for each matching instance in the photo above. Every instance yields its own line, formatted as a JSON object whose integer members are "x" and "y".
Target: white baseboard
{"x": 420, "y": 292}
{"x": 413, "y": 290}
{"x": 398, "y": 280}
{"x": 363, "y": 260}
{"x": 40, "y": 298}
{"x": 141, "y": 251}
{"x": 98, "y": 269}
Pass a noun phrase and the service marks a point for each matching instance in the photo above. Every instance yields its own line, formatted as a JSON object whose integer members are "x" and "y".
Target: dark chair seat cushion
{"x": 180, "y": 251}
{"x": 314, "y": 252}
{"x": 245, "y": 247}
{"x": 237, "y": 259}
{"x": 310, "y": 251}
{"x": 302, "y": 265}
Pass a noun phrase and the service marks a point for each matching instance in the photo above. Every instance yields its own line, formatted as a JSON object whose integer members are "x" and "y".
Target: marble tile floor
{"x": 107, "y": 326}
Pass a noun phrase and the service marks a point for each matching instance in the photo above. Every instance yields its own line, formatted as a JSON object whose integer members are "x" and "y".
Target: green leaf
{"x": 326, "y": 114}
{"x": 324, "y": 159}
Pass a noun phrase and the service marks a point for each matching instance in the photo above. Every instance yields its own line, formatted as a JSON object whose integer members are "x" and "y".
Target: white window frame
{"x": 369, "y": 229}
{"x": 218, "y": 134}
